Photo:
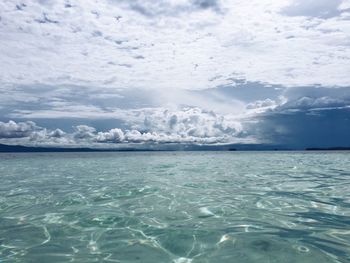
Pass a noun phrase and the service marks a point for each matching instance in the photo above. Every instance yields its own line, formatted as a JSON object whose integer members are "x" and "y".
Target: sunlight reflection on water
{"x": 175, "y": 207}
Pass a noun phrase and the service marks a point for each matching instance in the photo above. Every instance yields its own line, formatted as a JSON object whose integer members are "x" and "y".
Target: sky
{"x": 154, "y": 73}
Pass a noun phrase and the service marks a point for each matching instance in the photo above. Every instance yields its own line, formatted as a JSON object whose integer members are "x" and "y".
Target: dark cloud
{"x": 46, "y": 20}
{"x": 311, "y": 117}
{"x": 302, "y": 129}
{"x": 206, "y": 3}
{"x": 151, "y": 8}
{"x": 139, "y": 57}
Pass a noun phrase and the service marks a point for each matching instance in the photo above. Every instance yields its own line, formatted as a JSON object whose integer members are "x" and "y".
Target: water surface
{"x": 175, "y": 207}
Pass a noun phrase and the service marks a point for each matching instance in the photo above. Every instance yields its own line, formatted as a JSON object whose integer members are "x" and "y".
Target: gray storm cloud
{"x": 307, "y": 117}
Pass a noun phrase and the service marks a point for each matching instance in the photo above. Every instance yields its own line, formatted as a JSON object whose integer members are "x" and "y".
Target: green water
{"x": 175, "y": 207}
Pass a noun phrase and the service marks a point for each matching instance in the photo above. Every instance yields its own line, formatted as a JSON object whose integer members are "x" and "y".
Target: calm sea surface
{"x": 176, "y": 207}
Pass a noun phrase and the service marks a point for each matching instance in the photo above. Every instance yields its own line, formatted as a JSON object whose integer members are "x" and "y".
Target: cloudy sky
{"x": 111, "y": 73}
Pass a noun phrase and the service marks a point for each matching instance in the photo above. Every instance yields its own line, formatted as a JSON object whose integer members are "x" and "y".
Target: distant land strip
{"x": 4, "y": 148}
{"x": 329, "y": 149}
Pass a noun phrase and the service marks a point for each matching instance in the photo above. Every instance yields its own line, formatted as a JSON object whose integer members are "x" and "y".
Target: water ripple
{"x": 175, "y": 207}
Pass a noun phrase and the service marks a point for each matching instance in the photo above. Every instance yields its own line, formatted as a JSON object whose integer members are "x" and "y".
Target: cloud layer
{"x": 174, "y": 71}
{"x": 293, "y": 117}
{"x": 174, "y": 44}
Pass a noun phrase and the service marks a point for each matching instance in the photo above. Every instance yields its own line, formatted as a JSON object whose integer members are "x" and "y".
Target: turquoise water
{"x": 175, "y": 207}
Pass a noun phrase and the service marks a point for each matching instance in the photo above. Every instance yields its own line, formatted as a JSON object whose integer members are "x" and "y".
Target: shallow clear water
{"x": 175, "y": 207}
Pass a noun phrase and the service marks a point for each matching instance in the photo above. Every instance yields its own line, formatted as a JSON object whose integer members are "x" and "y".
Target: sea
{"x": 177, "y": 207}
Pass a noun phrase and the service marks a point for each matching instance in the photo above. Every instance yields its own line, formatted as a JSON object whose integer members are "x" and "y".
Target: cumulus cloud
{"x": 57, "y": 133}
{"x": 44, "y": 136}
{"x": 188, "y": 126}
{"x": 191, "y": 122}
{"x": 294, "y": 117}
{"x": 305, "y": 103}
{"x": 30, "y": 133}
{"x": 267, "y": 103}
{"x": 12, "y": 129}
{"x": 84, "y": 132}
{"x": 114, "y": 135}
{"x": 315, "y": 98}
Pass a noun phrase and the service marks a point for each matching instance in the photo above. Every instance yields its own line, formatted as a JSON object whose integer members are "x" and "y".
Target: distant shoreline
{"x": 19, "y": 148}
{"x": 329, "y": 149}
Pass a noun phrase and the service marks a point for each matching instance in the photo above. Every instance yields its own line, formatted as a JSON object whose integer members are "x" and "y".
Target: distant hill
{"x": 329, "y": 149}
{"x": 233, "y": 147}
{"x": 165, "y": 147}
{"x": 19, "y": 148}
{"x": 179, "y": 147}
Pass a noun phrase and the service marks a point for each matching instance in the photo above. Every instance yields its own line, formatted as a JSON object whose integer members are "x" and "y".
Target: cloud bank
{"x": 294, "y": 117}
{"x": 189, "y": 126}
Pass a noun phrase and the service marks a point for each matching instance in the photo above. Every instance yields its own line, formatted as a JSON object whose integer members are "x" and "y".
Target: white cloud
{"x": 84, "y": 132}
{"x": 190, "y": 126}
{"x": 184, "y": 44}
{"x": 268, "y": 103}
{"x": 114, "y": 135}
{"x": 263, "y": 121}
{"x": 192, "y": 122}
{"x": 57, "y": 133}
{"x": 345, "y": 5}
{"x": 167, "y": 70}
{"x": 46, "y": 137}
{"x": 312, "y": 103}
{"x": 12, "y": 129}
